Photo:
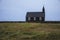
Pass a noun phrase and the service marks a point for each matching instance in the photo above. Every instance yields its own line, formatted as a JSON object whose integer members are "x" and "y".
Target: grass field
{"x": 29, "y": 31}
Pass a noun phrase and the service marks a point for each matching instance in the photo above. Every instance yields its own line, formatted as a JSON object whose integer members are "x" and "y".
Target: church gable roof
{"x": 35, "y": 14}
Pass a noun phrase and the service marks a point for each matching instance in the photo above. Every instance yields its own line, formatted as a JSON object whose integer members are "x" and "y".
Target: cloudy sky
{"x": 15, "y": 10}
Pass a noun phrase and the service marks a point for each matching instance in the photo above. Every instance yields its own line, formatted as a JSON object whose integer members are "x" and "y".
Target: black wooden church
{"x": 36, "y": 16}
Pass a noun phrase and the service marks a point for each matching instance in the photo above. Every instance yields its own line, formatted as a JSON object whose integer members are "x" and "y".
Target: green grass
{"x": 29, "y": 31}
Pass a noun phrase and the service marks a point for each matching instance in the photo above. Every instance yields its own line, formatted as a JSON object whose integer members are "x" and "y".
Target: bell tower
{"x": 43, "y": 9}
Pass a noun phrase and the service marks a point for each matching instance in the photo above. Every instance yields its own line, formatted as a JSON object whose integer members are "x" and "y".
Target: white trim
{"x": 29, "y": 18}
{"x": 40, "y": 18}
{"x": 34, "y": 18}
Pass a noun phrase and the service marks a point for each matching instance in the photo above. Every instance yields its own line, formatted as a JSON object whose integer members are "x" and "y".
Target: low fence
{"x": 29, "y": 22}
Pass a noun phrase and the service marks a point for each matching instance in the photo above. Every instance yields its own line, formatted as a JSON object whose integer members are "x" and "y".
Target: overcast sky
{"x": 15, "y": 10}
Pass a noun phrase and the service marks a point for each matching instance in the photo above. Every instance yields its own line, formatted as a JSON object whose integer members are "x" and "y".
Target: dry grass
{"x": 29, "y": 31}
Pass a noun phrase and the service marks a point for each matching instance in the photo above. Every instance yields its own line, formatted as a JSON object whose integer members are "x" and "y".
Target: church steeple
{"x": 43, "y": 9}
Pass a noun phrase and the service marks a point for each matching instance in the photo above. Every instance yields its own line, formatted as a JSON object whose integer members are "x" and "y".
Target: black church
{"x": 36, "y": 16}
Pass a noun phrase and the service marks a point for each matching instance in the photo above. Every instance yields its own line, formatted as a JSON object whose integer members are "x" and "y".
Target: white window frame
{"x": 40, "y": 18}
{"x": 34, "y": 18}
{"x": 29, "y": 18}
